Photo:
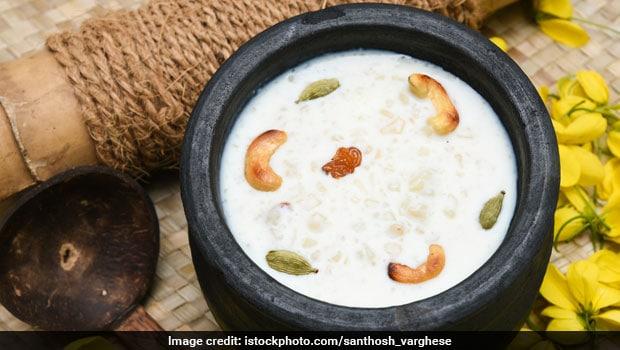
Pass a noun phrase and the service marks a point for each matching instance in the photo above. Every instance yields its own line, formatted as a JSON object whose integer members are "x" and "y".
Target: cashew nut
{"x": 447, "y": 117}
{"x": 258, "y": 173}
{"x": 430, "y": 269}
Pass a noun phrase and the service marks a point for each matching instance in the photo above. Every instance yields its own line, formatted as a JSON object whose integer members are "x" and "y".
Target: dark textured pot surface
{"x": 497, "y": 296}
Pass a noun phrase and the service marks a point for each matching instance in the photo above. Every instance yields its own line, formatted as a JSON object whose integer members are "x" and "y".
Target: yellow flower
{"x": 553, "y": 18}
{"x": 570, "y": 106}
{"x": 565, "y": 32}
{"x": 569, "y": 221}
{"x": 608, "y": 224}
{"x": 569, "y": 86}
{"x": 580, "y": 111}
{"x": 611, "y": 216}
{"x": 578, "y": 198}
{"x": 611, "y": 179}
{"x": 578, "y": 166}
{"x": 570, "y": 170}
{"x": 594, "y": 86}
{"x": 610, "y": 320}
{"x": 609, "y": 267}
{"x": 613, "y": 142}
{"x": 585, "y": 84}
{"x": 578, "y": 300}
{"x": 577, "y": 215}
{"x": 583, "y": 129}
{"x": 543, "y": 92}
{"x": 499, "y": 42}
{"x": 592, "y": 170}
{"x": 557, "y": 8}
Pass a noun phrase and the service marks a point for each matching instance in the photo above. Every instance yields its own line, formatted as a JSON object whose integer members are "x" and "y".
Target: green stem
{"x": 576, "y": 108}
{"x": 595, "y": 222}
{"x": 594, "y": 24}
{"x": 607, "y": 112}
{"x": 593, "y": 239}
{"x": 587, "y": 319}
{"x": 585, "y": 200}
{"x": 566, "y": 223}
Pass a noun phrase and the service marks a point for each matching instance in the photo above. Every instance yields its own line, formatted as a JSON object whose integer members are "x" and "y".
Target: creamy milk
{"x": 413, "y": 188}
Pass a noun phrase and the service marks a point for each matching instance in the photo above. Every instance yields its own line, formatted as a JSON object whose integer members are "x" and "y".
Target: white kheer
{"x": 413, "y": 189}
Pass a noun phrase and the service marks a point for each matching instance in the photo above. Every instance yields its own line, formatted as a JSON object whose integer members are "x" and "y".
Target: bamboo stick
{"x": 41, "y": 128}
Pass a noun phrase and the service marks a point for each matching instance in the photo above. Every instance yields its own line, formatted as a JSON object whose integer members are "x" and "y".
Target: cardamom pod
{"x": 490, "y": 211}
{"x": 318, "y": 89}
{"x": 289, "y": 262}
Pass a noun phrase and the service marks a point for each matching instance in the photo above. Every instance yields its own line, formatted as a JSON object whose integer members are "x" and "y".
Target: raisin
{"x": 343, "y": 162}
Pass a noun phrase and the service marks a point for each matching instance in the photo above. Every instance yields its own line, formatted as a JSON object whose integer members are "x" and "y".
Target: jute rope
{"x": 137, "y": 74}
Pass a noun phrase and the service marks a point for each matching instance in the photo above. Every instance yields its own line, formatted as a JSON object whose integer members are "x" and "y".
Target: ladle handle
{"x": 130, "y": 332}
{"x": 139, "y": 320}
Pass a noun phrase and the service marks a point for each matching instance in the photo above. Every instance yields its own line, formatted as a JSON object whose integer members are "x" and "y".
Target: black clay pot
{"x": 496, "y": 297}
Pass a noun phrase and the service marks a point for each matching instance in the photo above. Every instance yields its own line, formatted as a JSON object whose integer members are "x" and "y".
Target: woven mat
{"x": 175, "y": 300}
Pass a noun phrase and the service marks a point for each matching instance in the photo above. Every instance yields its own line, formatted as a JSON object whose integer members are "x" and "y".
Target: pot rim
{"x": 524, "y": 239}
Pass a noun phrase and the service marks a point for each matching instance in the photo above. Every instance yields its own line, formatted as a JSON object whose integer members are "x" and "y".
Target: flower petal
{"x": 570, "y": 230}
{"x": 594, "y": 85}
{"x": 568, "y": 86}
{"x": 605, "y": 296}
{"x": 592, "y": 171}
{"x": 543, "y": 92}
{"x": 611, "y": 211}
{"x": 578, "y": 198}
{"x": 555, "y": 289}
{"x": 611, "y": 180}
{"x": 567, "y": 338}
{"x": 558, "y": 8}
{"x": 611, "y": 316}
{"x": 559, "y": 313}
{"x": 613, "y": 142}
{"x": 565, "y": 32}
{"x": 499, "y": 42}
{"x": 575, "y": 105}
{"x": 570, "y": 169}
{"x": 613, "y": 203}
{"x": 583, "y": 129}
{"x": 565, "y": 325}
{"x": 558, "y": 126}
{"x": 608, "y": 263}
{"x": 582, "y": 278}
{"x": 612, "y": 219}
{"x": 556, "y": 112}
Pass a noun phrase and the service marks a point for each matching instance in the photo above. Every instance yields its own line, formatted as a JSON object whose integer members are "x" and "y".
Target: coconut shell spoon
{"x": 79, "y": 251}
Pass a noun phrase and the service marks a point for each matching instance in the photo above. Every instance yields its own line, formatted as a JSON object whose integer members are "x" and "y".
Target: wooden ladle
{"x": 78, "y": 253}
